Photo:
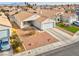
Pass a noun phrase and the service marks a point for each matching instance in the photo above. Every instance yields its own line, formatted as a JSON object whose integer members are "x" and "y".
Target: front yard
{"x": 16, "y": 43}
{"x": 71, "y": 28}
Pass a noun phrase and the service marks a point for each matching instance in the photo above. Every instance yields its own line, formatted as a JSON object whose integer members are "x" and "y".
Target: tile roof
{"x": 49, "y": 12}
{"x": 5, "y": 22}
{"x": 44, "y": 13}
{"x": 12, "y": 12}
{"x": 69, "y": 14}
{"x": 23, "y": 15}
{"x": 41, "y": 19}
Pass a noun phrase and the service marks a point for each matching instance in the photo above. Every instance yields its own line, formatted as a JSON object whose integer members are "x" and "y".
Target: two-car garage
{"x": 44, "y": 23}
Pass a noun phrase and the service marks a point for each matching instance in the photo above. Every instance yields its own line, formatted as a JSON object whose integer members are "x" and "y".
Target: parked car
{"x": 76, "y": 23}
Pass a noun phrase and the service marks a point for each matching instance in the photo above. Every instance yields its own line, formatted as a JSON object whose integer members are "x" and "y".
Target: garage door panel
{"x": 47, "y": 25}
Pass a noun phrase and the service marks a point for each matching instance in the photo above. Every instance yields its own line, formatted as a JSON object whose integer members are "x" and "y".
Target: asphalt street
{"x": 71, "y": 50}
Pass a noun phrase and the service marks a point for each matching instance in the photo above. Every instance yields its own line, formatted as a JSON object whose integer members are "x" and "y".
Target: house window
{"x": 4, "y": 38}
{"x": 5, "y": 41}
{"x": 58, "y": 19}
{"x": 4, "y": 33}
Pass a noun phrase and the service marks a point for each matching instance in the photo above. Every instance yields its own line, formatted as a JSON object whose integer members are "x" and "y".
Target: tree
{"x": 3, "y": 10}
{"x": 25, "y": 3}
{"x": 29, "y": 5}
{"x": 17, "y": 6}
{"x": 72, "y": 10}
{"x": 35, "y": 4}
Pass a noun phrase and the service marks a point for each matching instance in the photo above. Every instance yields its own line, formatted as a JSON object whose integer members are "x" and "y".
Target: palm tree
{"x": 35, "y": 4}
{"x": 29, "y": 5}
{"x": 26, "y": 3}
{"x": 17, "y": 6}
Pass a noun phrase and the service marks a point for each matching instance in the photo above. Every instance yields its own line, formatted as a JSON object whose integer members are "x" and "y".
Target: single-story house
{"x": 2, "y": 15}
{"x": 77, "y": 11}
{"x": 5, "y": 33}
{"x": 73, "y": 18}
{"x": 44, "y": 23}
{"x": 24, "y": 19}
{"x": 70, "y": 18}
{"x": 67, "y": 17}
{"x": 11, "y": 17}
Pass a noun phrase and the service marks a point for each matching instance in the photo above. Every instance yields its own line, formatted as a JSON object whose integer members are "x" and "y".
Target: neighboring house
{"x": 11, "y": 17}
{"x": 13, "y": 12}
{"x": 44, "y": 23}
{"x": 9, "y": 9}
{"x": 58, "y": 17}
{"x": 67, "y": 17}
{"x": 6, "y": 8}
{"x": 70, "y": 18}
{"x": 2, "y": 15}
{"x": 5, "y": 33}
{"x": 24, "y": 19}
{"x": 77, "y": 11}
{"x": 73, "y": 18}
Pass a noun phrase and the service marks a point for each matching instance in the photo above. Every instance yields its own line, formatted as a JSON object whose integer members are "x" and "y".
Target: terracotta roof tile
{"x": 23, "y": 15}
{"x": 41, "y": 19}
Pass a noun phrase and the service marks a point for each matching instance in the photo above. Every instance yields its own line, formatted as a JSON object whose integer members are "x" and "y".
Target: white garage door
{"x": 47, "y": 25}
